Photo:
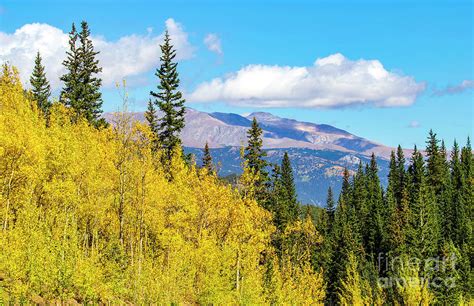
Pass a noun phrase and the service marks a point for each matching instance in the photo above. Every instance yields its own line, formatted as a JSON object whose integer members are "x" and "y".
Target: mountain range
{"x": 318, "y": 152}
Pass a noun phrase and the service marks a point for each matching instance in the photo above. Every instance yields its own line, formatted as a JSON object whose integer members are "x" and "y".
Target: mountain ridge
{"x": 318, "y": 152}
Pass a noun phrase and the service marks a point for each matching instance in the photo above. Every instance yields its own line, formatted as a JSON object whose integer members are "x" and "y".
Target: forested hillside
{"x": 116, "y": 213}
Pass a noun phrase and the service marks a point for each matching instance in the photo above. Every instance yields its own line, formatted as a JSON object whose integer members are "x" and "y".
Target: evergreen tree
{"x": 169, "y": 99}
{"x": 92, "y": 98}
{"x": 254, "y": 155}
{"x": 290, "y": 203}
{"x": 81, "y": 89}
{"x": 254, "y": 152}
{"x": 423, "y": 232}
{"x": 41, "y": 89}
{"x": 434, "y": 163}
{"x": 359, "y": 204}
{"x": 376, "y": 221}
{"x": 330, "y": 207}
{"x": 207, "y": 159}
{"x": 346, "y": 239}
{"x": 150, "y": 117}
{"x": 71, "y": 89}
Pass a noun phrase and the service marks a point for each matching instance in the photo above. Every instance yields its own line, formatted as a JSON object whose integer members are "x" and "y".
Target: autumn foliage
{"x": 89, "y": 215}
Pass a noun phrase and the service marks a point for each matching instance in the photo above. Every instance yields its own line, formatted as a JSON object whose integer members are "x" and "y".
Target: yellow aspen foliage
{"x": 352, "y": 287}
{"x": 410, "y": 287}
{"x": 89, "y": 215}
{"x": 292, "y": 278}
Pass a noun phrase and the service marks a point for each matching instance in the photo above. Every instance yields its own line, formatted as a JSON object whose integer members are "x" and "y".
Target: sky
{"x": 388, "y": 71}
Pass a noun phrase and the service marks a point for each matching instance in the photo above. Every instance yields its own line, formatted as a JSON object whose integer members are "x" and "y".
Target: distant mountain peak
{"x": 230, "y": 130}
{"x": 263, "y": 116}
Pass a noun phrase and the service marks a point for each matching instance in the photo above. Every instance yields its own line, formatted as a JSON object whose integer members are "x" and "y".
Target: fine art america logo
{"x": 406, "y": 271}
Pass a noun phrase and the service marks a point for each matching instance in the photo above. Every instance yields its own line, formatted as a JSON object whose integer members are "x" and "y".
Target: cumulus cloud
{"x": 128, "y": 57}
{"x": 451, "y": 90}
{"x": 213, "y": 43}
{"x": 332, "y": 81}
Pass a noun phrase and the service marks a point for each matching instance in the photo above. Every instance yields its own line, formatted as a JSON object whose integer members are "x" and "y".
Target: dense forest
{"x": 114, "y": 212}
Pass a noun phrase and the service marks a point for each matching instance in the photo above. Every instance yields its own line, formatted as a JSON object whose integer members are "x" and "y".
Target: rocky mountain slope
{"x": 319, "y": 152}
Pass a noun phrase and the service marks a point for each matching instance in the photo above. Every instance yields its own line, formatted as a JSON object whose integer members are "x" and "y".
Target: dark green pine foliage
{"x": 376, "y": 208}
{"x": 457, "y": 219}
{"x": 467, "y": 168}
{"x": 283, "y": 201}
{"x": 71, "y": 92}
{"x": 397, "y": 204}
{"x": 254, "y": 155}
{"x": 437, "y": 175}
{"x": 150, "y": 118}
{"x": 207, "y": 159}
{"x": 359, "y": 204}
{"x": 40, "y": 87}
{"x": 330, "y": 208}
{"x": 81, "y": 89}
{"x": 169, "y": 100}
{"x": 423, "y": 233}
{"x": 322, "y": 257}
{"x": 346, "y": 239}
{"x": 434, "y": 163}
{"x": 289, "y": 201}
{"x": 462, "y": 217}
{"x": 92, "y": 97}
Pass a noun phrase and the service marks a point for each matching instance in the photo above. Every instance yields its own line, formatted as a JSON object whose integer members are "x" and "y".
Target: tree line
{"x": 118, "y": 213}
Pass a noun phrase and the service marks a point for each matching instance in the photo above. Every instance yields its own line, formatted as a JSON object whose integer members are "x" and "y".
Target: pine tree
{"x": 71, "y": 89}
{"x": 330, "y": 206}
{"x": 254, "y": 155}
{"x": 467, "y": 166}
{"x": 81, "y": 89}
{"x": 150, "y": 117}
{"x": 434, "y": 163}
{"x": 283, "y": 199}
{"x": 376, "y": 222}
{"x": 359, "y": 204}
{"x": 423, "y": 230}
{"x": 290, "y": 201}
{"x": 397, "y": 203}
{"x": 254, "y": 152}
{"x": 41, "y": 89}
{"x": 207, "y": 159}
{"x": 346, "y": 239}
{"x": 92, "y": 98}
{"x": 169, "y": 100}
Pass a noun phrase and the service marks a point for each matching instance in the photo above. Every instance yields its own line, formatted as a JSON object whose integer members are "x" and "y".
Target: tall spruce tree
{"x": 330, "y": 206}
{"x": 90, "y": 83}
{"x": 359, "y": 204}
{"x": 397, "y": 203}
{"x": 254, "y": 155}
{"x": 254, "y": 152}
{"x": 467, "y": 169}
{"x": 376, "y": 221}
{"x": 70, "y": 93}
{"x": 434, "y": 163}
{"x": 207, "y": 159}
{"x": 40, "y": 87}
{"x": 423, "y": 229}
{"x": 169, "y": 100}
{"x": 81, "y": 89}
{"x": 289, "y": 190}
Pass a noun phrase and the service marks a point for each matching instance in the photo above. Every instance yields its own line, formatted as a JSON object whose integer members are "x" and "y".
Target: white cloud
{"x": 451, "y": 90}
{"x": 414, "y": 124}
{"x": 333, "y": 81}
{"x": 213, "y": 43}
{"x": 128, "y": 57}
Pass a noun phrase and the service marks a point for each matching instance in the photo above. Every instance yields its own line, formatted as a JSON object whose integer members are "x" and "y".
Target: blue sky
{"x": 428, "y": 42}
